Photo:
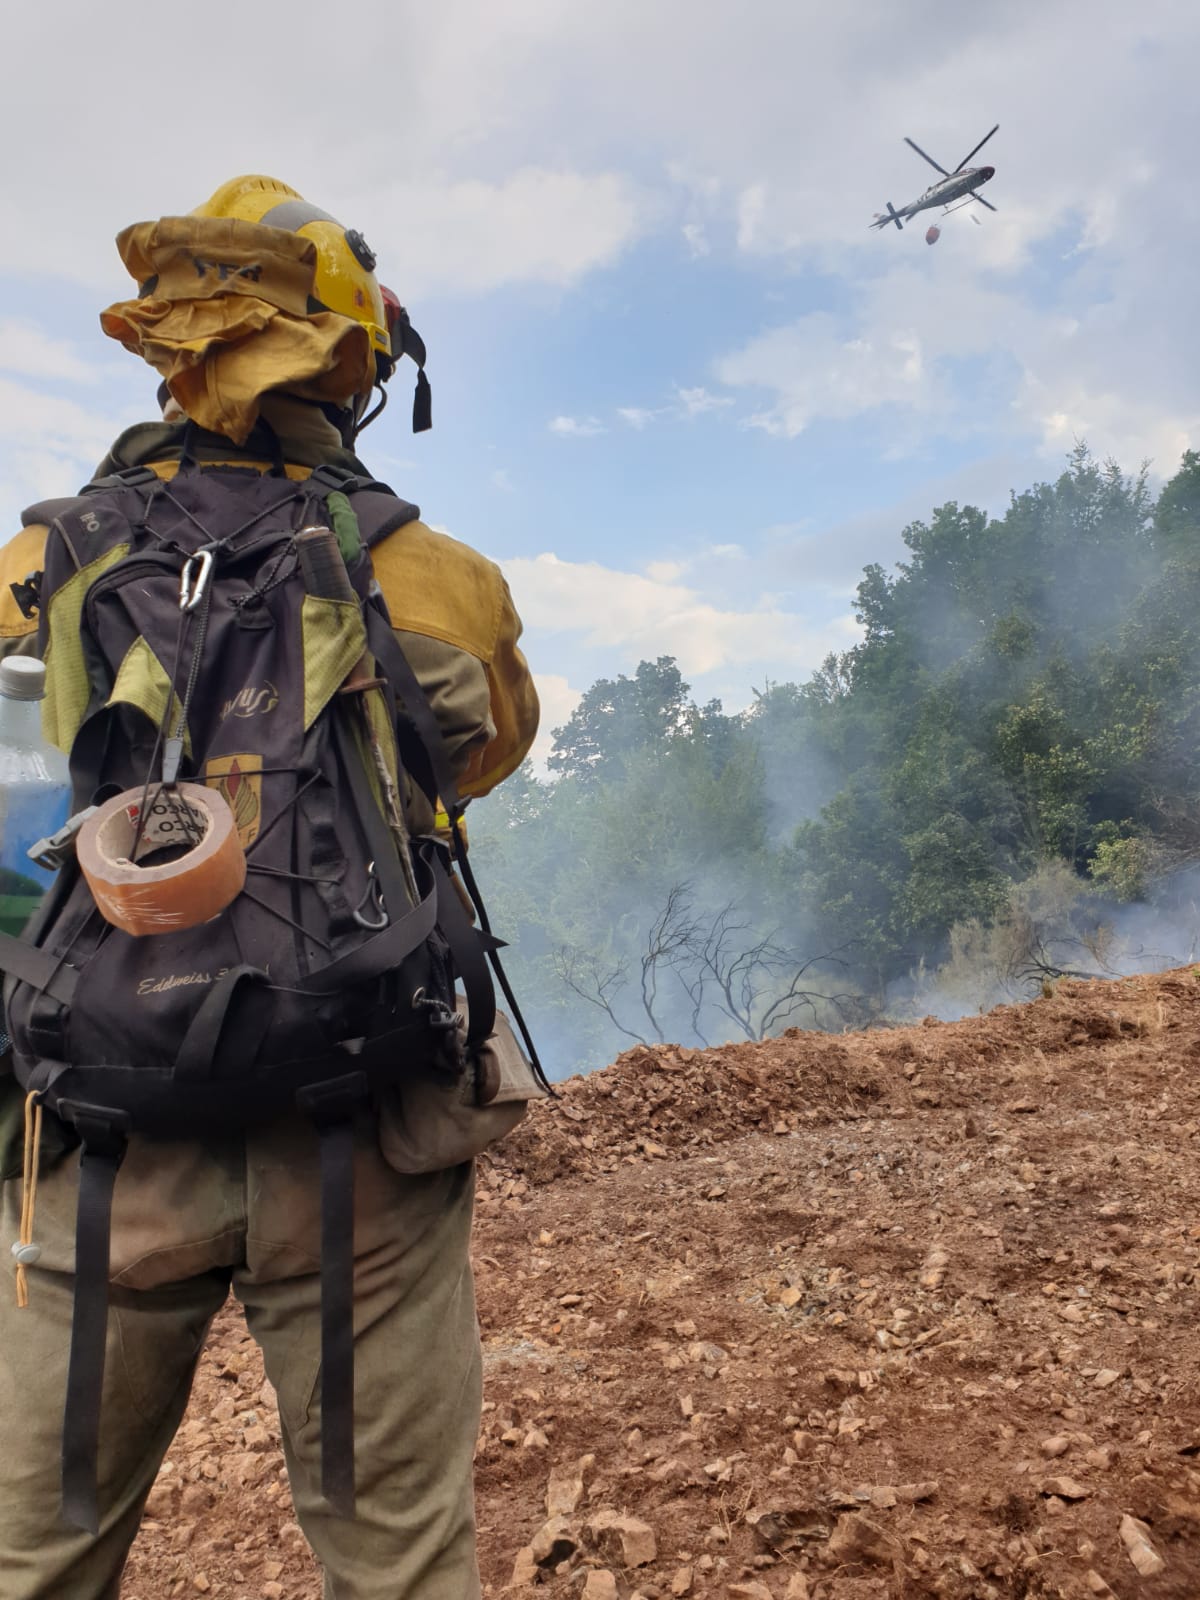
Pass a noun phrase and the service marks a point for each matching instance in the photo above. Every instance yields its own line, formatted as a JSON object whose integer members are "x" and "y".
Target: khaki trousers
{"x": 189, "y": 1221}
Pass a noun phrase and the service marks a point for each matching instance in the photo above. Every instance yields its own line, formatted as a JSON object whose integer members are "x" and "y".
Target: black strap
{"x": 466, "y": 949}
{"x": 329, "y": 475}
{"x": 384, "y": 951}
{"x": 506, "y": 989}
{"x": 394, "y": 664}
{"x": 332, "y": 1106}
{"x": 422, "y": 404}
{"x": 124, "y": 478}
{"x": 203, "y": 1042}
{"x": 378, "y": 509}
{"x": 187, "y": 446}
{"x": 38, "y": 968}
{"x": 405, "y": 931}
{"x": 380, "y": 514}
{"x": 385, "y": 647}
{"x": 447, "y": 910}
{"x": 103, "y": 1135}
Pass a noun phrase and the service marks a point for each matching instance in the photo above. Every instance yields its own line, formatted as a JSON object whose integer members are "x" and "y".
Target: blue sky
{"x": 681, "y": 392}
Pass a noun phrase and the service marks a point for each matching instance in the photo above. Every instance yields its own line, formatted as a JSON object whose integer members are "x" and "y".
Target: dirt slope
{"x": 897, "y": 1314}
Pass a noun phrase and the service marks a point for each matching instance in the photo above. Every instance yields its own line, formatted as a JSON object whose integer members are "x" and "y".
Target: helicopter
{"x": 960, "y": 185}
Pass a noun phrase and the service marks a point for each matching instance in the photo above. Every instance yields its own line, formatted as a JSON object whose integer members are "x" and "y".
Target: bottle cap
{"x": 22, "y": 678}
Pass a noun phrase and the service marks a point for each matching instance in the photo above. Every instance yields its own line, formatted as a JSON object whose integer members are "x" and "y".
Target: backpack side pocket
{"x": 428, "y": 1123}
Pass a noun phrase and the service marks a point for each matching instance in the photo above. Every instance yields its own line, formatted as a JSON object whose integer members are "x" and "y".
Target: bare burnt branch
{"x": 582, "y": 973}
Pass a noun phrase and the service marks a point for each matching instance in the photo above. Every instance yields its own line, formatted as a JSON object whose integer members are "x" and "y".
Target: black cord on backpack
{"x": 158, "y": 742}
{"x": 454, "y": 813}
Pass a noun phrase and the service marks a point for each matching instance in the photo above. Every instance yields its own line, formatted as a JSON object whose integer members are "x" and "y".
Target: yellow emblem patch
{"x": 238, "y": 780}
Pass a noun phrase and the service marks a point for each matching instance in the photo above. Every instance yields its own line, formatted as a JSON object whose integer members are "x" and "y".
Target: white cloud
{"x": 697, "y": 240}
{"x": 500, "y": 156}
{"x": 576, "y": 427}
{"x": 502, "y": 480}
{"x": 436, "y": 238}
{"x": 1112, "y": 423}
{"x": 535, "y": 226}
{"x": 27, "y": 350}
{"x": 907, "y": 345}
{"x": 751, "y": 211}
{"x": 501, "y": 153}
{"x": 814, "y": 370}
{"x": 558, "y": 701}
{"x": 697, "y": 401}
{"x": 635, "y": 617}
{"x": 688, "y": 403}
{"x": 52, "y": 445}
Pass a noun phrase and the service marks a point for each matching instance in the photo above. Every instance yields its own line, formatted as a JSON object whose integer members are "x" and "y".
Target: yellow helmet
{"x": 345, "y": 279}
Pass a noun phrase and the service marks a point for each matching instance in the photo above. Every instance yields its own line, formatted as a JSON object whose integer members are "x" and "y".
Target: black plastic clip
{"x": 334, "y": 1100}
{"x": 103, "y": 1130}
{"x": 28, "y": 594}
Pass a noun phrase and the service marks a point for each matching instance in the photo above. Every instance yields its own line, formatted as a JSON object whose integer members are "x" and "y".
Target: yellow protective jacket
{"x": 450, "y": 606}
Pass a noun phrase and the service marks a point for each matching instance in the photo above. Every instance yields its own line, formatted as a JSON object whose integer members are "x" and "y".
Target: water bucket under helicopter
{"x": 932, "y": 233}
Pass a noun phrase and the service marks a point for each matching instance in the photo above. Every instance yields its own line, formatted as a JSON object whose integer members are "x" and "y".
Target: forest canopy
{"x": 1000, "y": 778}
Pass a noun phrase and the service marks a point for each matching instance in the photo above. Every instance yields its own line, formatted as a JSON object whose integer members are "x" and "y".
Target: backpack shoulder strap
{"x": 126, "y": 478}
{"x": 78, "y": 513}
{"x": 48, "y": 512}
{"x": 377, "y": 507}
{"x": 381, "y": 514}
{"x": 412, "y": 699}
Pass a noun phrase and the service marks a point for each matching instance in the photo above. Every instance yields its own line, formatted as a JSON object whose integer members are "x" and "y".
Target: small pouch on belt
{"x": 427, "y": 1123}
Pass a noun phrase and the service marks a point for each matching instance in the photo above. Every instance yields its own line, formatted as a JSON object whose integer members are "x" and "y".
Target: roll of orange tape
{"x": 190, "y": 863}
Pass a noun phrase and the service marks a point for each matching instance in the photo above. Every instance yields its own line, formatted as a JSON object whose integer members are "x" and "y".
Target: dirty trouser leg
{"x": 154, "y": 1338}
{"x": 417, "y": 1365}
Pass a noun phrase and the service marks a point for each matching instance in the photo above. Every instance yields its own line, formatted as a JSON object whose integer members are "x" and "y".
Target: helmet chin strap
{"x": 422, "y": 416}
{"x": 359, "y": 424}
{"x": 354, "y": 416}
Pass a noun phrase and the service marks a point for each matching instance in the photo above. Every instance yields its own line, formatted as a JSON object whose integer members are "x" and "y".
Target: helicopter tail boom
{"x": 881, "y": 221}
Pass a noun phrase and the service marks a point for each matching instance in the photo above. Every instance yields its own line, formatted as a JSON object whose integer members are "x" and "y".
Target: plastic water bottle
{"x": 35, "y": 790}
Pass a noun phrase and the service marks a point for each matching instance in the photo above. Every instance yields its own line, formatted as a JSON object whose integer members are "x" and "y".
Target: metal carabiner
{"x": 192, "y": 583}
{"x": 374, "y": 894}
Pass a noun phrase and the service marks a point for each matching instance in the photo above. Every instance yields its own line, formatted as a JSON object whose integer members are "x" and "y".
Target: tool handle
{"x": 322, "y": 566}
{"x": 325, "y": 578}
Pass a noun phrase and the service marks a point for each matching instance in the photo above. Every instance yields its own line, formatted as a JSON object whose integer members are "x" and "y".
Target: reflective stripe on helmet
{"x": 293, "y": 214}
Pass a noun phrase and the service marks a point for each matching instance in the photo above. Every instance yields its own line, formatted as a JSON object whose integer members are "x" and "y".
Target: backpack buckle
{"x": 103, "y": 1129}
{"x": 27, "y": 594}
{"x": 335, "y": 1099}
{"x": 57, "y": 849}
{"x": 194, "y": 579}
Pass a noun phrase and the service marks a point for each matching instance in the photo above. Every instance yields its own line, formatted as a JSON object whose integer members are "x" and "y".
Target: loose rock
{"x": 525, "y": 1568}
{"x": 857, "y": 1539}
{"x": 554, "y": 1542}
{"x": 565, "y": 1488}
{"x": 1135, "y": 1536}
{"x": 1065, "y": 1489}
{"x": 626, "y": 1540}
{"x": 600, "y": 1585}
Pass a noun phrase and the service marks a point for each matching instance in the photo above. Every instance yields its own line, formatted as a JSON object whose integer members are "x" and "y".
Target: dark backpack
{"x": 192, "y": 631}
